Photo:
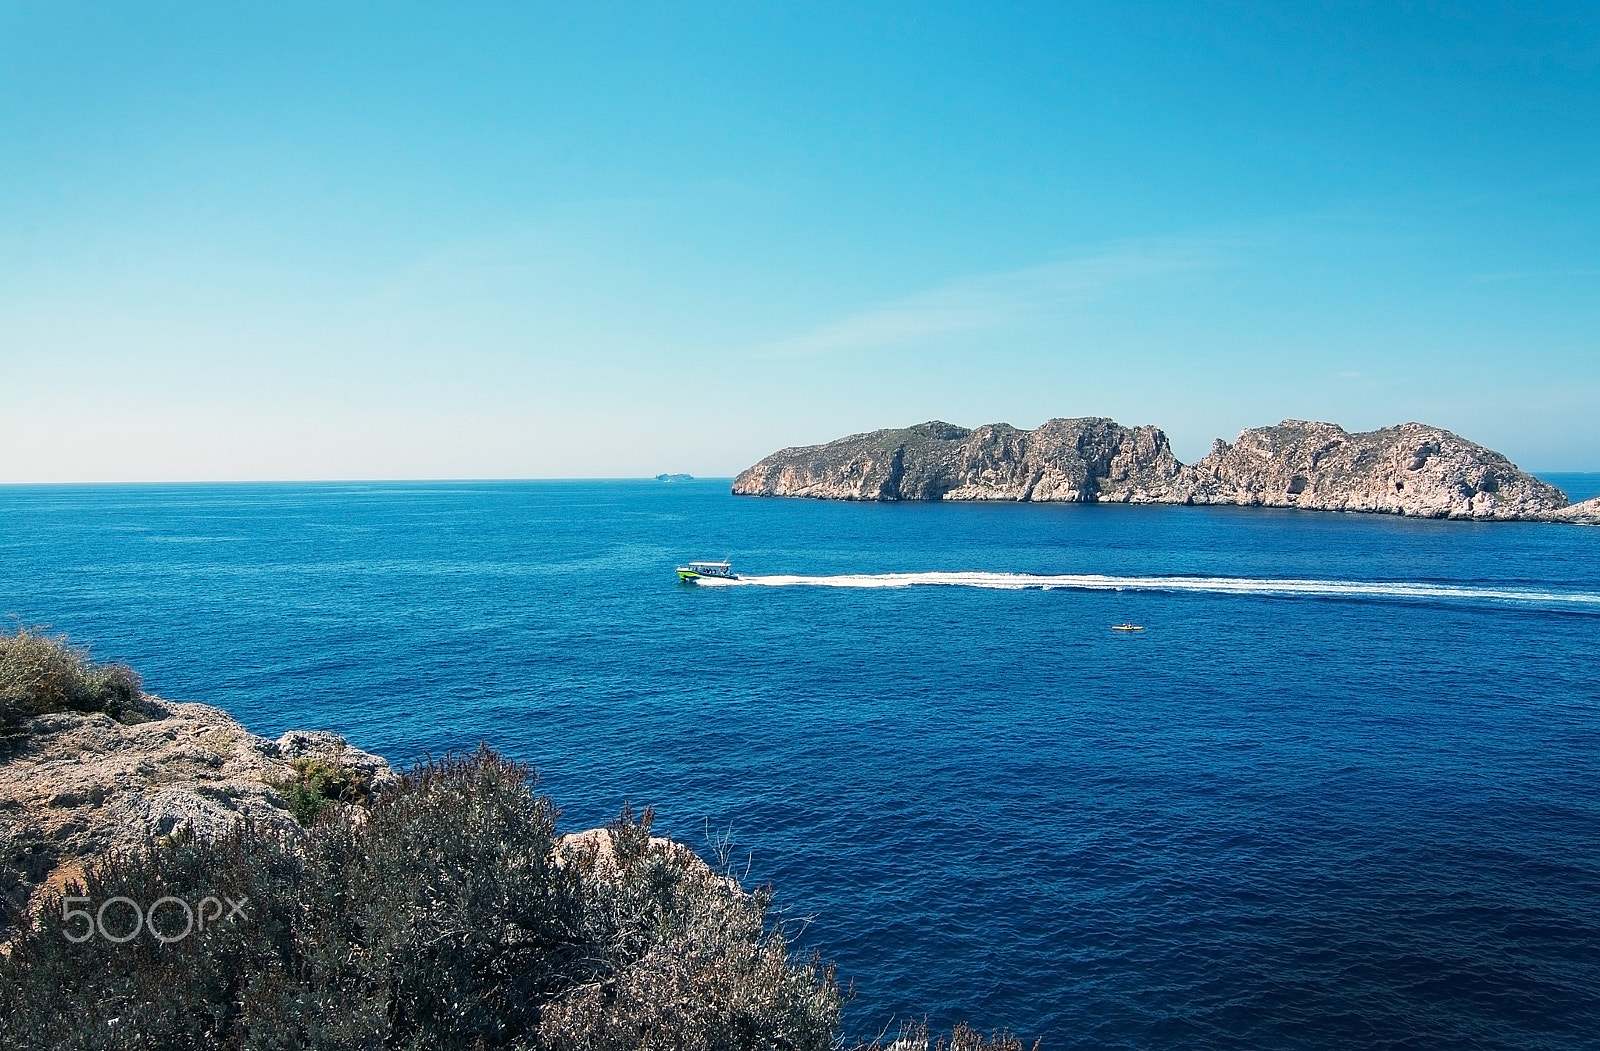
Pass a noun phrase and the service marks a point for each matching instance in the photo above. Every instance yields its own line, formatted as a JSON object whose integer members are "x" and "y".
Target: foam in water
{"x": 1207, "y": 585}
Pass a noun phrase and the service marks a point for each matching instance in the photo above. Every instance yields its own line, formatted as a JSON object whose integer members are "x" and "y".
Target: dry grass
{"x": 40, "y": 674}
{"x": 916, "y": 1037}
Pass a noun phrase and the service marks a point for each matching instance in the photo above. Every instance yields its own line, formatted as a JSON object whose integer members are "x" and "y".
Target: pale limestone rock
{"x": 1586, "y": 513}
{"x": 594, "y": 849}
{"x": 1411, "y": 469}
{"x": 75, "y": 787}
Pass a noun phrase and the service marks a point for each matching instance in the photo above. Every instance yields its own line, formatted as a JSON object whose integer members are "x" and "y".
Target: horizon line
{"x": 469, "y": 480}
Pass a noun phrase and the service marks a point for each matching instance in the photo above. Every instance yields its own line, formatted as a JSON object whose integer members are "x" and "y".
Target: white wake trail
{"x": 1207, "y": 585}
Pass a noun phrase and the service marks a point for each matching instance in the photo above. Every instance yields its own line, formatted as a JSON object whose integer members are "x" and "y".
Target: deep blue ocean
{"x": 1343, "y": 790}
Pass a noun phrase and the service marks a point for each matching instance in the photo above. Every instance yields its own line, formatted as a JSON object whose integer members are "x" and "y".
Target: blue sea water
{"x": 1343, "y": 790}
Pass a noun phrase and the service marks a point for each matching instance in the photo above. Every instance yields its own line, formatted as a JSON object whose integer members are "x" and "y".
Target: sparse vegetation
{"x": 42, "y": 673}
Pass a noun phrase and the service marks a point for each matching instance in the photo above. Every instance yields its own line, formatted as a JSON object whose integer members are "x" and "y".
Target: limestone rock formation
{"x": 1411, "y": 469}
{"x": 1066, "y": 460}
{"x": 75, "y": 787}
{"x": 1586, "y": 513}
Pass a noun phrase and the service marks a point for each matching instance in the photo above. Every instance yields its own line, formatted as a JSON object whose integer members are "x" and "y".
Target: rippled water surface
{"x": 1343, "y": 789}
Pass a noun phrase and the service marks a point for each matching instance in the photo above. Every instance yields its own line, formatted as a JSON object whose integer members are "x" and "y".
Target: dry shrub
{"x": 40, "y": 674}
{"x": 916, "y": 1037}
{"x": 697, "y": 964}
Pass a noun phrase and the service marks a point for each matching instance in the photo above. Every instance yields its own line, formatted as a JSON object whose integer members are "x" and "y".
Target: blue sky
{"x": 252, "y": 241}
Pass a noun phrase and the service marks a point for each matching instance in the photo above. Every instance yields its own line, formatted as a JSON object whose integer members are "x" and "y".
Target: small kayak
{"x": 1127, "y": 627}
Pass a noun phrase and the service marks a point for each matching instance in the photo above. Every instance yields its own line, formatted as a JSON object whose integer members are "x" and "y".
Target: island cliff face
{"x": 1411, "y": 469}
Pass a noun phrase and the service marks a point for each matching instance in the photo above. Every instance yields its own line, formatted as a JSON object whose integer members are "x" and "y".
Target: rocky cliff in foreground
{"x": 1410, "y": 469}
{"x": 77, "y": 788}
{"x": 172, "y": 880}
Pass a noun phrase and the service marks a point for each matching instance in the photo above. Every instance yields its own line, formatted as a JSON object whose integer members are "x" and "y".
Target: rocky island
{"x": 1410, "y": 469}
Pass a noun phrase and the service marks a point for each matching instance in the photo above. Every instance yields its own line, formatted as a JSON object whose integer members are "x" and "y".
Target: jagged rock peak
{"x": 938, "y": 429}
{"x": 1409, "y": 469}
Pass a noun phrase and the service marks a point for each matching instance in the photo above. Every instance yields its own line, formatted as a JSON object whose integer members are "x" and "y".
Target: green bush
{"x": 318, "y": 784}
{"x": 441, "y": 916}
{"x": 41, "y": 674}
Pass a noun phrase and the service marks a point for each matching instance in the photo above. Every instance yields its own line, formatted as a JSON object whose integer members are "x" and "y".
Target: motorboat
{"x": 706, "y": 571}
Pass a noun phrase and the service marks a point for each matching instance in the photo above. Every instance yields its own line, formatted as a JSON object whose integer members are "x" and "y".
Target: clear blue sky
{"x": 251, "y": 241}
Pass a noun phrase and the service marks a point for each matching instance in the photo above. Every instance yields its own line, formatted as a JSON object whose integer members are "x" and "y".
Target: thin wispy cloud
{"x": 1535, "y": 275}
{"x": 1002, "y": 300}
